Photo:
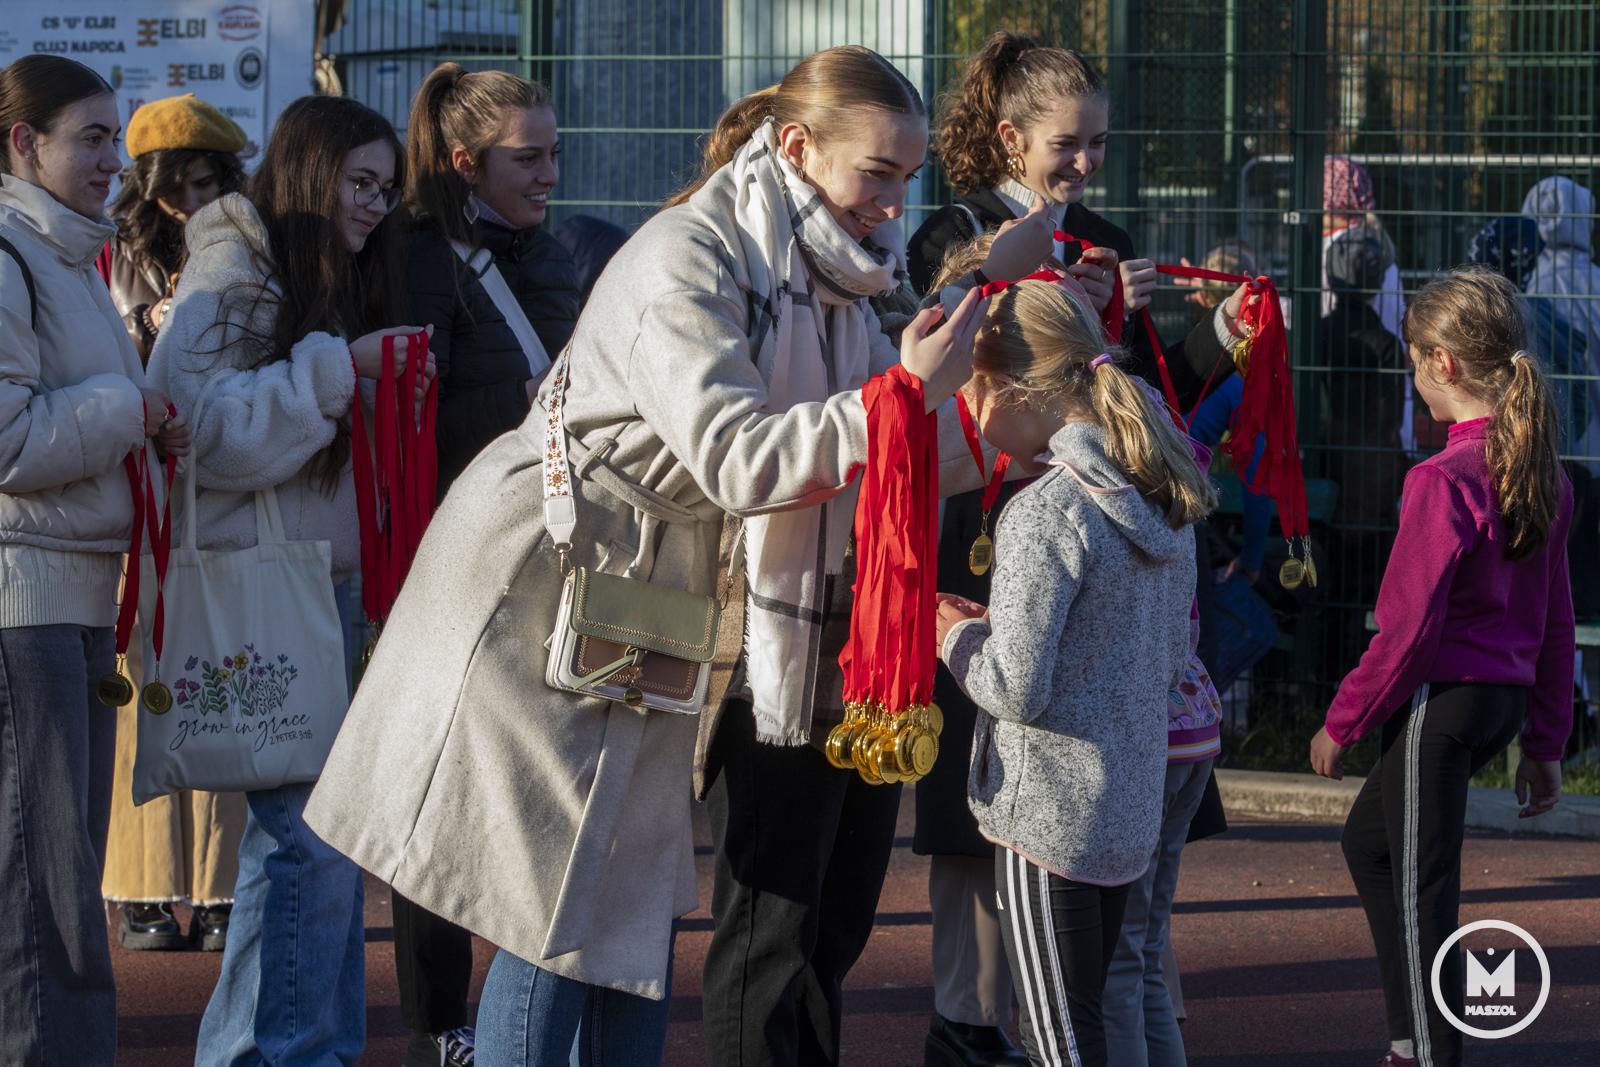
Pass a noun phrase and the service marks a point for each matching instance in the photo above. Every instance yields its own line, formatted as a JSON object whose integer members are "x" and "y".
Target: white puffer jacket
{"x": 70, "y": 410}
{"x": 262, "y": 426}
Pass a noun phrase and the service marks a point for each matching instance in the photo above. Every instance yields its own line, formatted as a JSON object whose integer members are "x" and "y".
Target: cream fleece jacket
{"x": 263, "y": 425}
{"x": 70, "y": 410}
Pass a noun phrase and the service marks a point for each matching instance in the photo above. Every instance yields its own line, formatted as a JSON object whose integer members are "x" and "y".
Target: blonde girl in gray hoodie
{"x": 1086, "y": 630}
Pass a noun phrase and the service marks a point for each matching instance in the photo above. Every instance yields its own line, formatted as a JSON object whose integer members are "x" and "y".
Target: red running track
{"x": 1277, "y": 963}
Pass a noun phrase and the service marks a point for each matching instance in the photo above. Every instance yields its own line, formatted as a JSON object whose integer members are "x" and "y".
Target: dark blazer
{"x": 483, "y": 372}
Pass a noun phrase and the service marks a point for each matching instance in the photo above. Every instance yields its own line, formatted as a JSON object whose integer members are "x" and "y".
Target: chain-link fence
{"x": 1223, "y": 112}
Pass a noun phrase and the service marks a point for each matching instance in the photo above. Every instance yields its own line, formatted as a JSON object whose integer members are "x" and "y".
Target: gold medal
{"x": 981, "y": 555}
{"x": 1241, "y": 355}
{"x": 113, "y": 690}
{"x": 1292, "y": 573}
{"x": 924, "y": 751}
{"x": 935, "y": 719}
{"x": 157, "y": 698}
{"x": 1310, "y": 564}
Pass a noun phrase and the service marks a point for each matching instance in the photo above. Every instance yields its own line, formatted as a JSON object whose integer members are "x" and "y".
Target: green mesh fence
{"x": 1222, "y": 113}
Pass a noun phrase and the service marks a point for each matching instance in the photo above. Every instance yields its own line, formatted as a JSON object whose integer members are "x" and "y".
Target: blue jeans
{"x": 293, "y": 987}
{"x": 1141, "y": 1029}
{"x": 58, "y": 999}
{"x": 528, "y": 1017}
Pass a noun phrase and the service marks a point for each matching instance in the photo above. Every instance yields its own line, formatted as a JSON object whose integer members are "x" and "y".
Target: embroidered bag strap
{"x": 560, "y": 510}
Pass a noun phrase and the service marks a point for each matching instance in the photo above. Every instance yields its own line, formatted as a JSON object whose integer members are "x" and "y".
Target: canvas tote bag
{"x": 253, "y": 651}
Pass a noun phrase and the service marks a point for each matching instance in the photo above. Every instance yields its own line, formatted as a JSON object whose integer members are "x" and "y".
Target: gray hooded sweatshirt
{"x": 1088, "y": 628}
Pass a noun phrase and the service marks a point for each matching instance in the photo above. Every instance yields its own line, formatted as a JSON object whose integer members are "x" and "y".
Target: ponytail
{"x": 1476, "y": 315}
{"x": 736, "y": 126}
{"x": 454, "y": 109}
{"x": 819, "y": 92}
{"x": 1012, "y": 78}
{"x": 1145, "y": 445}
{"x": 1040, "y": 345}
{"x": 1522, "y": 452}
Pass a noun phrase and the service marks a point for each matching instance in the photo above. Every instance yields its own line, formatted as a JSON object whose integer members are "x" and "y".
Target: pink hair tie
{"x": 1095, "y": 363}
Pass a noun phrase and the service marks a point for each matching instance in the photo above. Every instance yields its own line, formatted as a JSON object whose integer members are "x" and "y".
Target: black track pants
{"x": 1060, "y": 936}
{"x": 1402, "y": 842}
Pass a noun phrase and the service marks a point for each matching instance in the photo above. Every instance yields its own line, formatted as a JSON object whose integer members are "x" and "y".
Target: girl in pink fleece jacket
{"x": 1475, "y": 643}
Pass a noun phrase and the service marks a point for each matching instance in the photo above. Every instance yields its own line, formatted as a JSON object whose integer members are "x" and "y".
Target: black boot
{"x": 209, "y": 927}
{"x": 150, "y": 927}
{"x": 960, "y": 1045}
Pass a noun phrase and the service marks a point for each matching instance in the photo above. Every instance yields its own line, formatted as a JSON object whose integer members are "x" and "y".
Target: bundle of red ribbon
{"x": 395, "y": 496}
{"x": 890, "y": 732}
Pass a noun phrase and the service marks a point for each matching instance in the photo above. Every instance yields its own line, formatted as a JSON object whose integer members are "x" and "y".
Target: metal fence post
{"x": 1308, "y": 121}
{"x": 1123, "y": 70}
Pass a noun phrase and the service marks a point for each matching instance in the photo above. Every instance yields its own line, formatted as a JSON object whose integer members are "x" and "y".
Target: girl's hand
{"x": 1234, "y": 306}
{"x": 1138, "y": 282}
{"x": 1325, "y": 753}
{"x": 953, "y": 609}
{"x": 1235, "y": 567}
{"x": 155, "y": 410}
{"x": 1021, "y": 245}
{"x": 173, "y": 438}
{"x": 158, "y": 311}
{"x": 367, "y": 351}
{"x": 1538, "y": 785}
{"x": 1097, "y": 273}
{"x": 943, "y": 361}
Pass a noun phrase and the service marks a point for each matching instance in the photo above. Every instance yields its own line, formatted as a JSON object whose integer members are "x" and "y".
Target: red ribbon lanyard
{"x": 395, "y": 495}
{"x": 1111, "y": 317}
{"x": 969, "y": 428}
{"x": 137, "y": 466}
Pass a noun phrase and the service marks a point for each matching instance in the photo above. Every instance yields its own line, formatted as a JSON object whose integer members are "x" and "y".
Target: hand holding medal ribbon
{"x": 395, "y": 495}
{"x": 1262, "y": 360}
{"x": 114, "y": 689}
{"x": 891, "y": 728}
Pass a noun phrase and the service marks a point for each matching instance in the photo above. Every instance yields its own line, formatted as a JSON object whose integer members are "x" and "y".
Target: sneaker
{"x": 210, "y": 927}
{"x": 1394, "y": 1059}
{"x": 150, "y": 928}
{"x": 453, "y": 1048}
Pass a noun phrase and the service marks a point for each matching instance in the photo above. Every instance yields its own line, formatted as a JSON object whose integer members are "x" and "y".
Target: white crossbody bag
{"x": 480, "y": 262}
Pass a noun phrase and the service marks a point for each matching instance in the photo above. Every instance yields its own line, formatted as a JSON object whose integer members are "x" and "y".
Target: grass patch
{"x": 1582, "y": 780}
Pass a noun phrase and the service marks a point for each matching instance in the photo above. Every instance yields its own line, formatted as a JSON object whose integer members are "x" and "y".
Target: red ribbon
{"x": 890, "y": 658}
{"x": 395, "y": 495}
{"x": 1268, "y": 403}
{"x": 969, "y": 429}
{"x": 137, "y": 466}
{"x": 1111, "y": 317}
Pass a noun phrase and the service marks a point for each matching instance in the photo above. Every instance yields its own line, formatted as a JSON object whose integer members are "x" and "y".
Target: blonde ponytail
{"x": 1476, "y": 315}
{"x": 457, "y": 108}
{"x": 1145, "y": 445}
{"x": 1038, "y": 347}
{"x": 819, "y": 92}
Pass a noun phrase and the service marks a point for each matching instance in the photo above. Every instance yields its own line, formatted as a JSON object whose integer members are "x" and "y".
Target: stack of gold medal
{"x": 1295, "y": 571}
{"x": 886, "y": 748}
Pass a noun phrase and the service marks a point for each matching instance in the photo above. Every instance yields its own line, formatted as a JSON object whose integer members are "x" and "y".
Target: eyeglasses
{"x": 368, "y": 191}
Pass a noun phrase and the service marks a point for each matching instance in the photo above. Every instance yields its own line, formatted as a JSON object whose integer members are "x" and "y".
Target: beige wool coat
{"x": 557, "y": 826}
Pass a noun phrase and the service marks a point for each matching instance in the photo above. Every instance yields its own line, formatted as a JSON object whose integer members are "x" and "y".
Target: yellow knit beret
{"x": 182, "y": 122}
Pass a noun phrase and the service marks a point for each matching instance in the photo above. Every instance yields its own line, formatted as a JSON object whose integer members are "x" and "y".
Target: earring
{"x": 1015, "y": 166}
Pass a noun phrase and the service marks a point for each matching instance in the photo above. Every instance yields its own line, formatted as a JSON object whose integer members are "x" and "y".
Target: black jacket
{"x": 483, "y": 373}
{"x": 1364, "y": 409}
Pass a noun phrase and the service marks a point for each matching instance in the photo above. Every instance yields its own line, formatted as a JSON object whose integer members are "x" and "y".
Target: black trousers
{"x": 802, "y": 848}
{"x": 1402, "y": 843}
{"x": 433, "y": 961}
{"x": 1060, "y": 936}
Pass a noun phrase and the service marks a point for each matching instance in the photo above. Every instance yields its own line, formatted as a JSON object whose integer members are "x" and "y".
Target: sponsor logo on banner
{"x": 239, "y": 23}
{"x": 249, "y": 68}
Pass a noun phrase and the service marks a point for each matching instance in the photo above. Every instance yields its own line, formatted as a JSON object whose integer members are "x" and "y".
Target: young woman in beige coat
{"x": 719, "y": 391}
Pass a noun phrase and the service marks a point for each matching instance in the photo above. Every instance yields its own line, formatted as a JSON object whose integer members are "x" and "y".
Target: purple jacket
{"x": 1453, "y": 609}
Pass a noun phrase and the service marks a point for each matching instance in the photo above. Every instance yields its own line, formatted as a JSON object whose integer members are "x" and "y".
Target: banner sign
{"x": 152, "y": 49}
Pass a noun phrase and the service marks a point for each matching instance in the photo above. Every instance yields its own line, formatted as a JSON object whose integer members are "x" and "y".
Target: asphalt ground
{"x": 1276, "y": 960}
